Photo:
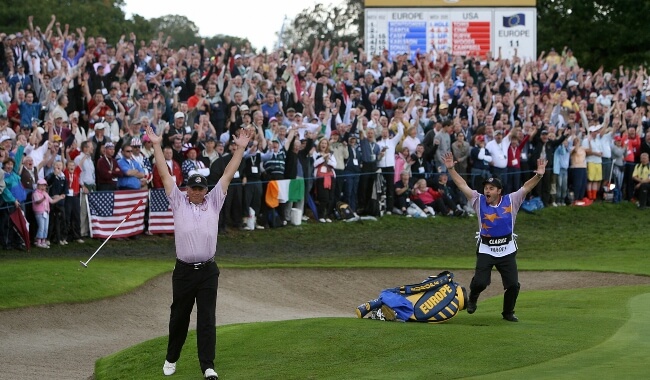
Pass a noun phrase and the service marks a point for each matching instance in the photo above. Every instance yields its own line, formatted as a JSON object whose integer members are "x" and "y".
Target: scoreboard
{"x": 468, "y": 31}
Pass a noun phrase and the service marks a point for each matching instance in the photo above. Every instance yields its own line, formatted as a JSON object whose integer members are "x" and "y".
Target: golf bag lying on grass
{"x": 437, "y": 299}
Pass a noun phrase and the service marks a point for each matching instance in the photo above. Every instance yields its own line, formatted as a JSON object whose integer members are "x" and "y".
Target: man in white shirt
{"x": 386, "y": 160}
{"x": 498, "y": 149}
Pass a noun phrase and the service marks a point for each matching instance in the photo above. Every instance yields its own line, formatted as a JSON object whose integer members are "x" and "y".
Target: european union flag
{"x": 518, "y": 19}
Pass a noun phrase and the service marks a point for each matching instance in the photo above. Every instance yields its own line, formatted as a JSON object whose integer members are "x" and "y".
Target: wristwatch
{"x": 539, "y": 175}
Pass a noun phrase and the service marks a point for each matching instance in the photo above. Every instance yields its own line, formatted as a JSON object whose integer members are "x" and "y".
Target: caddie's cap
{"x": 197, "y": 180}
{"x": 494, "y": 182}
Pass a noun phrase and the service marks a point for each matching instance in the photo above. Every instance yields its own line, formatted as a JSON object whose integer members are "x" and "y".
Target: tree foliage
{"x": 183, "y": 31}
{"x": 600, "y": 32}
{"x": 326, "y": 22}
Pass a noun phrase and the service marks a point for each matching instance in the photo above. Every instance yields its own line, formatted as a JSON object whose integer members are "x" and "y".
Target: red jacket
{"x": 427, "y": 197}
{"x": 157, "y": 180}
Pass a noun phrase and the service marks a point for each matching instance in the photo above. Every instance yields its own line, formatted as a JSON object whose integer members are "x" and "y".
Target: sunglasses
{"x": 128, "y": 151}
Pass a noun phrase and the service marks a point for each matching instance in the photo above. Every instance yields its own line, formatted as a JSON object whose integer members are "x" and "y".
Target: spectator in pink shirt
{"x": 41, "y": 207}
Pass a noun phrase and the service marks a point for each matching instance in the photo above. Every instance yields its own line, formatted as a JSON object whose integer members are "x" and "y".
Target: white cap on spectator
{"x": 100, "y": 126}
{"x": 237, "y": 56}
{"x": 57, "y": 51}
{"x": 179, "y": 115}
{"x": 4, "y": 138}
{"x": 302, "y": 68}
{"x": 595, "y": 128}
{"x": 572, "y": 83}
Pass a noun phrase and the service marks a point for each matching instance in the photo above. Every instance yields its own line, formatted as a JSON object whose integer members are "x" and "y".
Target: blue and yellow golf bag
{"x": 437, "y": 299}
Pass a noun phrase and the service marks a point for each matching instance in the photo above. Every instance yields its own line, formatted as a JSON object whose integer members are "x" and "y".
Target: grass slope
{"x": 563, "y": 329}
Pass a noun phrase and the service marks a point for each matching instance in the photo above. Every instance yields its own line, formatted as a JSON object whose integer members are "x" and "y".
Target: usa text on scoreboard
{"x": 460, "y": 27}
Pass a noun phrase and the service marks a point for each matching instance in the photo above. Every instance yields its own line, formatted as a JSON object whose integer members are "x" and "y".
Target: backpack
{"x": 532, "y": 204}
{"x": 274, "y": 219}
{"x": 344, "y": 211}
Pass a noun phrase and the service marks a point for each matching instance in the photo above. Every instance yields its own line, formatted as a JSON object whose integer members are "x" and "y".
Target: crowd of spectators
{"x": 73, "y": 109}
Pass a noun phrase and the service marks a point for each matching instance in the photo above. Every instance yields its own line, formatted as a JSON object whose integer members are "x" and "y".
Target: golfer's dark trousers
{"x": 188, "y": 285}
{"x": 507, "y": 267}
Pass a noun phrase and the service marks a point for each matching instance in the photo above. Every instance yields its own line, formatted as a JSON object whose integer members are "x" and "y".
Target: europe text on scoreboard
{"x": 460, "y": 27}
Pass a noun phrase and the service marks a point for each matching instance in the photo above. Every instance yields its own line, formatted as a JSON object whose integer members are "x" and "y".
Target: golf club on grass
{"x": 85, "y": 264}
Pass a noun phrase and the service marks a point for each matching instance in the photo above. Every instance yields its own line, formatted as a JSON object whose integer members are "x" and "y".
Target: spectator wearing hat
{"x": 20, "y": 79}
{"x": 41, "y": 201}
{"x": 141, "y": 158}
{"x": 147, "y": 149}
{"x": 55, "y": 61}
{"x": 133, "y": 174}
{"x": 97, "y": 138}
{"x": 193, "y": 164}
{"x": 444, "y": 113}
{"x": 177, "y": 130}
{"x": 108, "y": 169}
{"x": 112, "y": 126}
{"x": 594, "y": 149}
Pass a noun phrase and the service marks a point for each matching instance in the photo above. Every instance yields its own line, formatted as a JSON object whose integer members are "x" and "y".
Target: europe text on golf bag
{"x": 434, "y": 300}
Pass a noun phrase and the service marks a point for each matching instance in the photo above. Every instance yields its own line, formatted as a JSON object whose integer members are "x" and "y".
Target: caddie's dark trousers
{"x": 507, "y": 267}
{"x": 188, "y": 285}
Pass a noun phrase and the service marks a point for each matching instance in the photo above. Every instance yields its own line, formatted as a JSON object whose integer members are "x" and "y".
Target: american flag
{"x": 108, "y": 209}
{"x": 161, "y": 218}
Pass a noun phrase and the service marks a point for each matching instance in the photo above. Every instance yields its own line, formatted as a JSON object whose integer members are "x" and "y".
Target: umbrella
{"x": 21, "y": 226}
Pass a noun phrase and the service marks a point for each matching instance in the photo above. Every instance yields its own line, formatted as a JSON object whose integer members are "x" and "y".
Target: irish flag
{"x": 285, "y": 190}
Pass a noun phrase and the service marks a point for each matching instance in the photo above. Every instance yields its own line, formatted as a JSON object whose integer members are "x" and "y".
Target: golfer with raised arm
{"x": 196, "y": 275}
{"x": 496, "y": 245}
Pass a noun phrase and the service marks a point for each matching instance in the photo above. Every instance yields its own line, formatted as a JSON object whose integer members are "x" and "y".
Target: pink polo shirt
{"x": 44, "y": 206}
{"x": 195, "y": 226}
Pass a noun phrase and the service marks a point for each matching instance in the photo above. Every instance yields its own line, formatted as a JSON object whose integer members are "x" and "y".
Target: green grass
{"x": 49, "y": 281}
{"x": 558, "y": 324}
{"x": 601, "y": 238}
{"x": 572, "y": 334}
